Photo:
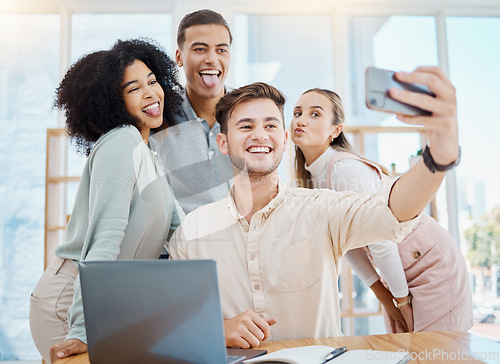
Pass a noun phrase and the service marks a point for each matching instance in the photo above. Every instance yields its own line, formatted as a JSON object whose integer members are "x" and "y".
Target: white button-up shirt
{"x": 283, "y": 264}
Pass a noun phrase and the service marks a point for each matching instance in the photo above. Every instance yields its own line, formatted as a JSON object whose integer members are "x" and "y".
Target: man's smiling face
{"x": 256, "y": 138}
{"x": 205, "y": 57}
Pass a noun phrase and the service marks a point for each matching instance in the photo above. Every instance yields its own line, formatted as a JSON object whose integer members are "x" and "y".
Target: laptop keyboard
{"x": 234, "y": 359}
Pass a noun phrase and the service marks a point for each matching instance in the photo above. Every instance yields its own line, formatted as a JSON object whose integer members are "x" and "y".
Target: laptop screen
{"x": 154, "y": 311}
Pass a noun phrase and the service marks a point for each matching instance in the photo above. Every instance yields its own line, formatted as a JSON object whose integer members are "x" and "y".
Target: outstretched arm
{"x": 413, "y": 191}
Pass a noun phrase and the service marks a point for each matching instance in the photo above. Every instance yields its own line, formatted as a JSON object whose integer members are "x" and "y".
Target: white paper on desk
{"x": 372, "y": 357}
{"x": 316, "y": 353}
{"x": 300, "y": 355}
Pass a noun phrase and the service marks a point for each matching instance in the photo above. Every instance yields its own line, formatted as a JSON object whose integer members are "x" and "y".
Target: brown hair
{"x": 257, "y": 90}
{"x": 200, "y": 17}
{"x": 302, "y": 176}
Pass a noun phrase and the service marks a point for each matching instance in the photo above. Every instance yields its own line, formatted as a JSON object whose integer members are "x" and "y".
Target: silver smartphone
{"x": 378, "y": 83}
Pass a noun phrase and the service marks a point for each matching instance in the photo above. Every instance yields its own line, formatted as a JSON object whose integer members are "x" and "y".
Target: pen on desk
{"x": 334, "y": 354}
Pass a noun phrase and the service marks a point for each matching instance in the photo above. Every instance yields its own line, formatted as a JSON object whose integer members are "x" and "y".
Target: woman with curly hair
{"x": 124, "y": 206}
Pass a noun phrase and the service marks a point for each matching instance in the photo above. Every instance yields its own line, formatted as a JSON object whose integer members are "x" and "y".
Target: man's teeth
{"x": 210, "y": 72}
{"x": 259, "y": 150}
{"x": 152, "y": 106}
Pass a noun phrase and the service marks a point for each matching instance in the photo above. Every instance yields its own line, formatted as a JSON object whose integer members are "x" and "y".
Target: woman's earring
{"x": 333, "y": 138}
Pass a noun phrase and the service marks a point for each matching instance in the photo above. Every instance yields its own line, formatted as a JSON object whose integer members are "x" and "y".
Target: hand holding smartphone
{"x": 378, "y": 83}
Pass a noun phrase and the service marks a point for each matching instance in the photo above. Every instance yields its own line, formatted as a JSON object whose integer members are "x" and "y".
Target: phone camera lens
{"x": 373, "y": 102}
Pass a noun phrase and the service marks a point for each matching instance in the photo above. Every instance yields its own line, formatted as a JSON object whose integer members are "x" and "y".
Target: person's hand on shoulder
{"x": 441, "y": 127}
{"x": 247, "y": 330}
{"x": 67, "y": 348}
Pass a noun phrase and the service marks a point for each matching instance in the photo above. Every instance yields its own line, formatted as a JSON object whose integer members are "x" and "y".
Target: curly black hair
{"x": 91, "y": 94}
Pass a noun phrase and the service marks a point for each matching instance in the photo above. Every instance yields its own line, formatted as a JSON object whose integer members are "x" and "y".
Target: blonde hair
{"x": 302, "y": 177}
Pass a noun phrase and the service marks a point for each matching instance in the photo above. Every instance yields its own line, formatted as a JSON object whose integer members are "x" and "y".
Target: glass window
{"x": 297, "y": 57}
{"x": 28, "y": 78}
{"x": 93, "y": 32}
{"x": 473, "y": 58}
{"x": 395, "y": 43}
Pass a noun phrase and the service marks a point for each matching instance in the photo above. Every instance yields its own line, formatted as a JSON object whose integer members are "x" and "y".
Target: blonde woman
{"x": 426, "y": 273}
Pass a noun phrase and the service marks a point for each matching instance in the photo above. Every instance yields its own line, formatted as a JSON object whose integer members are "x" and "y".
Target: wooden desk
{"x": 424, "y": 347}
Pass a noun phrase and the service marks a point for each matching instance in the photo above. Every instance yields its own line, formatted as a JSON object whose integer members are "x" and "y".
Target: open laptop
{"x": 154, "y": 311}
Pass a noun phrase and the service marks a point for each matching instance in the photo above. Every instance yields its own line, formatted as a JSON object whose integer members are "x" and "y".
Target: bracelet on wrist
{"x": 401, "y": 304}
{"x": 433, "y": 166}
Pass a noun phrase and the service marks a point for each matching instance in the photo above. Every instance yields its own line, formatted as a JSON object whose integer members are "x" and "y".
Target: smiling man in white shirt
{"x": 277, "y": 249}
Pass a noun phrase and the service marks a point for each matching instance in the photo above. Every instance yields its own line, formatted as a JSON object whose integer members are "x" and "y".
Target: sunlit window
{"x": 398, "y": 43}
{"x": 474, "y": 54}
{"x": 298, "y": 56}
{"x": 28, "y": 77}
{"x": 92, "y": 32}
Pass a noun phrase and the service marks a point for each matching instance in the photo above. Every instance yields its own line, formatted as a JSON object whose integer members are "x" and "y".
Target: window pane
{"x": 28, "y": 78}
{"x": 396, "y": 43}
{"x": 473, "y": 56}
{"x": 297, "y": 58}
{"x": 93, "y": 32}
